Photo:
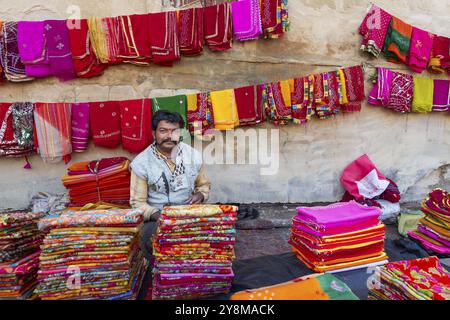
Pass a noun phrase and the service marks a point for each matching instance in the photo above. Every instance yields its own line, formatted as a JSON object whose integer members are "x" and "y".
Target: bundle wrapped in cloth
{"x": 19, "y": 253}
{"x": 340, "y": 236}
{"x": 106, "y": 180}
{"x": 194, "y": 250}
{"x": 92, "y": 255}
{"x": 433, "y": 231}
{"x": 421, "y": 279}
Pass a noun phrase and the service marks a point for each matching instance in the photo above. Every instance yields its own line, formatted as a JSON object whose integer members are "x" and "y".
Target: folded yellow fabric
{"x": 423, "y": 95}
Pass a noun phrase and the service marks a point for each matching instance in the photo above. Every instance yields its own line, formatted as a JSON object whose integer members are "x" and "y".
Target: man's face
{"x": 167, "y": 135}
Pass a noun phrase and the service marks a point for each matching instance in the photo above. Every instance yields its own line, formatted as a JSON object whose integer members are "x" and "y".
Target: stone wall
{"x": 414, "y": 150}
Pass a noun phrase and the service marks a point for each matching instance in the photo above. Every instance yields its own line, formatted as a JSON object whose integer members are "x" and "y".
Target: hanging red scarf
{"x": 245, "y": 100}
{"x": 219, "y": 27}
{"x": 134, "y": 39}
{"x": 105, "y": 123}
{"x": 354, "y": 81}
{"x": 164, "y": 38}
{"x": 85, "y": 62}
{"x": 136, "y": 123}
{"x": 190, "y": 30}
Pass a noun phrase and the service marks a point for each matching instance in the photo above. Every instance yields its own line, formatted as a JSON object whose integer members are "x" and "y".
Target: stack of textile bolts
{"x": 433, "y": 231}
{"x": 421, "y": 279}
{"x": 194, "y": 249}
{"x": 91, "y": 255}
{"x": 106, "y": 180}
{"x": 19, "y": 254}
{"x": 340, "y": 236}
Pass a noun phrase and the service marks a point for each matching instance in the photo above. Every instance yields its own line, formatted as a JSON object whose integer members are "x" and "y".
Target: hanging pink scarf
{"x": 441, "y": 95}
{"x": 59, "y": 51}
{"x": 80, "y": 126}
{"x": 379, "y": 96}
{"x": 420, "y": 50}
{"x": 246, "y": 20}
{"x": 33, "y": 48}
{"x": 374, "y": 29}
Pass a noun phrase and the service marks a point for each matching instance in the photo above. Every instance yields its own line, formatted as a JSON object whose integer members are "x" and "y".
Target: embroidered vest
{"x": 164, "y": 187}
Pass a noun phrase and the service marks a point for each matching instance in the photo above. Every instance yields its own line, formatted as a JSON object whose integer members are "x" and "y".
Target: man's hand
{"x": 197, "y": 198}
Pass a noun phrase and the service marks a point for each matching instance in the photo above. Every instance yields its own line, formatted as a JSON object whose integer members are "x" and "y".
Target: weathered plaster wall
{"x": 414, "y": 150}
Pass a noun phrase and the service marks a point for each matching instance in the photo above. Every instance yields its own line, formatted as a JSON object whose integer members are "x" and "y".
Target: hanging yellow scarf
{"x": 423, "y": 95}
{"x": 225, "y": 110}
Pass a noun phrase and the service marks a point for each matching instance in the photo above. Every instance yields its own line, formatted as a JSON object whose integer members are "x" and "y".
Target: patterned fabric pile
{"x": 340, "y": 236}
{"x": 194, "y": 249}
{"x": 422, "y": 279}
{"x": 433, "y": 231}
{"x": 19, "y": 253}
{"x": 92, "y": 255}
{"x": 312, "y": 287}
{"x": 106, "y": 180}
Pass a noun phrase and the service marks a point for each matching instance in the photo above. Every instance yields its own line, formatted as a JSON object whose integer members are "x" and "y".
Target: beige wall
{"x": 413, "y": 149}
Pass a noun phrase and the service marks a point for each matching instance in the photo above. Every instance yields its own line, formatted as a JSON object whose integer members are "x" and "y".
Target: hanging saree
{"x": 134, "y": 39}
{"x": 333, "y": 93}
{"x": 247, "y": 23}
{"x": 136, "y": 120}
{"x": 397, "y": 42}
{"x": 402, "y": 90}
{"x": 104, "y": 118}
{"x": 200, "y": 114}
{"x": 441, "y": 97}
{"x": 380, "y": 94}
{"x": 53, "y": 128}
{"x": 23, "y": 122}
{"x": 246, "y": 106}
{"x": 191, "y": 31}
{"x": 226, "y": 116}
{"x": 423, "y": 95}
{"x": 104, "y": 34}
{"x": 440, "y": 55}
{"x": 164, "y": 38}
{"x": 277, "y": 102}
{"x": 177, "y": 104}
{"x": 354, "y": 83}
{"x": 59, "y": 51}
{"x": 322, "y": 96}
{"x": 80, "y": 126}
{"x": 420, "y": 50}
{"x": 275, "y": 18}
{"x": 374, "y": 29}
{"x": 85, "y": 62}
{"x": 218, "y": 27}
{"x": 33, "y": 50}
{"x": 13, "y": 68}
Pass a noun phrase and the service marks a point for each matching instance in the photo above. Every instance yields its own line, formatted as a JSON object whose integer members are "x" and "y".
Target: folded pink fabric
{"x": 420, "y": 50}
{"x": 338, "y": 214}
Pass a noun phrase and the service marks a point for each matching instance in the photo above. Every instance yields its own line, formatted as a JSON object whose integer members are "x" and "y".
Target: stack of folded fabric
{"x": 19, "y": 253}
{"x": 433, "y": 231}
{"x": 341, "y": 236}
{"x": 421, "y": 279}
{"x": 106, "y": 180}
{"x": 92, "y": 255}
{"x": 194, "y": 249}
